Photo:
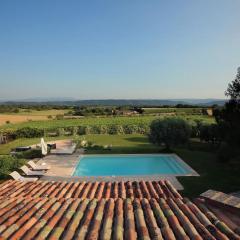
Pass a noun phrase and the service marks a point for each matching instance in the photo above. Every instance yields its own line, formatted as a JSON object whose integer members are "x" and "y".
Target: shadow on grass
{"x": 125, "y": 150}
{"x": 137, "y": 139}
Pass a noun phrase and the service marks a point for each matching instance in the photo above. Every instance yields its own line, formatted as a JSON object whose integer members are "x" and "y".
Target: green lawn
{"x": 213, "y": 175}
{"x": 6, "y": 148}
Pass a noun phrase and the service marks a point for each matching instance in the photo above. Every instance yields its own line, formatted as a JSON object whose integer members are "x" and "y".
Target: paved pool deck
{"x": 63, "y": 166}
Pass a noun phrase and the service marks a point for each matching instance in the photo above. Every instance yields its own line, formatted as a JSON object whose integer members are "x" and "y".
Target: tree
{"x": 229, "y": 117}
{"x": 170, "y": 132}
{"x": 233, "y": 90}
{"x": 211, "y": 133}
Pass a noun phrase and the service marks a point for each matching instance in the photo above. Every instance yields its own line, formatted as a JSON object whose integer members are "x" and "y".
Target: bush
{"x": 81, "y": 130}
{"x": 103, "y": 129}
{"x": 30, "y": 154}
{"x": 95, "y": 130}
{"x": 94, "y": 147}
{"x": 211, "y": 133}
{"x": 59, "y": 116}
{"x": 61, "y": 131}
{"x": 75, "y": 131}
{"x": 169, "y": 131}
{"x": 9, "y": 164}
{"x": 119, "y": 130}
{"x": 112, "y": 129}
{"x": 128, "y": 129}
{"x": 29, "y": 132}
{"x": 88, "y": 130}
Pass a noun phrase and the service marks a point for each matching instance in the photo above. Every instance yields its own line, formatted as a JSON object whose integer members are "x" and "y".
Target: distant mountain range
{"x": 116, "y": 102}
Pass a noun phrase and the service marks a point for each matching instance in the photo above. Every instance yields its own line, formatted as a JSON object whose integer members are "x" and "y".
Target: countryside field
{"x": 88, "y": 121}
{"x": 30, "y": 115}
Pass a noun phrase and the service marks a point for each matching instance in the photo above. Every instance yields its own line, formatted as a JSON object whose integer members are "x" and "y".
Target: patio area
{"x": 63, "y": 166}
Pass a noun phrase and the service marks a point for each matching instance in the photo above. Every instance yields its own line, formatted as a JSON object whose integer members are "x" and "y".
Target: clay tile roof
{"x": 99, "y": 190}
{"x": 98, "y": 210}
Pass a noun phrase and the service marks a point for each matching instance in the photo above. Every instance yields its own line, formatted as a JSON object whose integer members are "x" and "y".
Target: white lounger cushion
{"x": 16, "y": 176}
{"x": 29, "y": 172}
{"x": 34, "y": 166}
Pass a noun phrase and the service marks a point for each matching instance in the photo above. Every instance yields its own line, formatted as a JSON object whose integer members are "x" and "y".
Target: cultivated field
{"x": 97, "y": 121}
{"x": 173, "y": 110}
{"x": 26, "y": 116}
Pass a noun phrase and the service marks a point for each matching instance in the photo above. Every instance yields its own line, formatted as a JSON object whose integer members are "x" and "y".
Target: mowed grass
{"x": 90, "y": 121}
{"x": 24, "y": 116}
{"x": 22, "y": 142}
{"x": 213, "y": 174}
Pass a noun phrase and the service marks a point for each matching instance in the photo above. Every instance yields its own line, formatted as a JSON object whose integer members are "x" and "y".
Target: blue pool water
{"x": 123, "y": 165}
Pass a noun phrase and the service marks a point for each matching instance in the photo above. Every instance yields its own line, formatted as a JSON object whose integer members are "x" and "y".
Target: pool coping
{"x": 60, "y": 172}
{"x": 190, "y": 169}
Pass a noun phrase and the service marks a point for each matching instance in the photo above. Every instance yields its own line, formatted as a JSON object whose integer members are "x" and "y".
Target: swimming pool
{"x": 131, "y": 164}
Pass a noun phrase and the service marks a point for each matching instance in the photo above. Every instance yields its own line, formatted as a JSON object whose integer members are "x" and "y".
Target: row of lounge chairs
{"x": 32, "y": 174}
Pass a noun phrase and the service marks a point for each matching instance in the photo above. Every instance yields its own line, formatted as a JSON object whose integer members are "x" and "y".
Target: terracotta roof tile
{"x": 97, "y": 210}
{"x": 161, "y": 189}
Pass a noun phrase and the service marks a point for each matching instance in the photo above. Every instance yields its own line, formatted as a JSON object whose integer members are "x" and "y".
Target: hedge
{"x": 9, "y": 164}
{"x": 29, "y": 154}
{"x": 89, "y": 129}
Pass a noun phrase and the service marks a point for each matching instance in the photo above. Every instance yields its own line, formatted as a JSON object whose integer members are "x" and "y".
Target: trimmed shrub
{"x": 88, "y": 130}
{"x": 119, "y": 129}
{"x": 61, "y": 131}
{"x": 95, "y": 130}
{"x": 103, "y": 129}
{"x": 9, "y": 164}
{"x": 127, "y": 129}
{"x": 29, "y": 132}
{"x": 75, "y": 131}
{"x": 81, "y": 130}
{"x": 112, "y": 129}
{"x": 29, "y": 154}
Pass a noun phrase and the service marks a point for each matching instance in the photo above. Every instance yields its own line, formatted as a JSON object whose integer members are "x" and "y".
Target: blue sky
{"x": 118, "y": 49}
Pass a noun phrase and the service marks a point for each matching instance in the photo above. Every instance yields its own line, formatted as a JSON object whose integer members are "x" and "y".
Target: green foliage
{"x": 93, "y": 125}
{"x": 169, "y": 131}
{"x": 88, "y": 130}
{"x": 98, "y": 121}
{"x": 103, "y": 129}
{"x": 81, "y": 130}
{"x": 119, "y": 129}
{"x": 233, "y": 89}
{"x": 9, "y": 164}
{"x": 61, "y": 131}
{"x": 211, "y": 133}
{"x": 59, "y": 116}
{"x": 29, "y": 133}
{"x": 112, "y": 129}
{"x": 228, "y": 118}
{"x": 30, "y": 154}
{"x": 74, "y": 131}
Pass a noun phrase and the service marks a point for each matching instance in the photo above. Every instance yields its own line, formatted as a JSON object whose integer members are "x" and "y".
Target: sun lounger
{"x": 37, "y": 167}
{"x": 16, "y": 176}
{"x": 29, "y": 172}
